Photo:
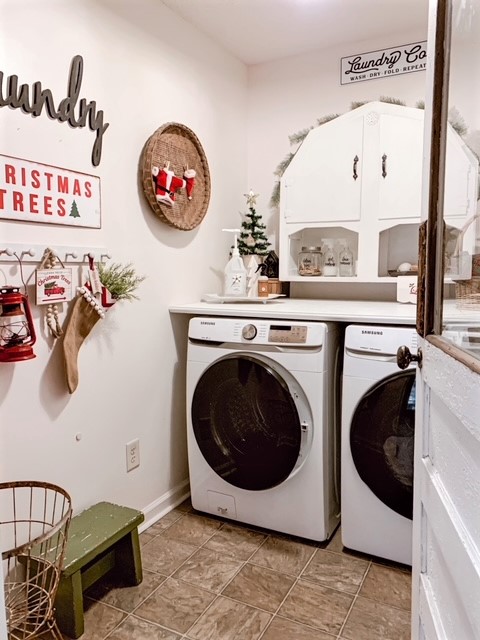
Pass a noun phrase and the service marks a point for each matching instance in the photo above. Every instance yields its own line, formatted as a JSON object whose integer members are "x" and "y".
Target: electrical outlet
{"x": 133, "y": 454}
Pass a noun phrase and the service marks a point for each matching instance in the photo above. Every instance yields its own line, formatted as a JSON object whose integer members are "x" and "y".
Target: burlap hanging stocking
{"x": 85, "y": 315}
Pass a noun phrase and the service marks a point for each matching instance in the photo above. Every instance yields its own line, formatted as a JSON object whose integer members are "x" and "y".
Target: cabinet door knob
{"x": 405, "y": 357}
{"x": 355, "y": 162}
{"x": 384, "y": 165}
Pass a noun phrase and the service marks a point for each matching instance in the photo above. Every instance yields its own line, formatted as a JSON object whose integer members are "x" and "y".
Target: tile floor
{"x": 209, "y": 579}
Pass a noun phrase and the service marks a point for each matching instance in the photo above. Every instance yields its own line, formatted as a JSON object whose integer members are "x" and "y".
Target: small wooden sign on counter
{"x": 407, "y": 287}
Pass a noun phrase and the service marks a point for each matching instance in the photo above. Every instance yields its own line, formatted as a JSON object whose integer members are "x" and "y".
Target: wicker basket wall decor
{"x": 175, "y": 176}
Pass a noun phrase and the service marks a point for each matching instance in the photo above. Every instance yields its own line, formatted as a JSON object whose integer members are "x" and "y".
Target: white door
{"x": 446, "y": 537}
{"x": 446, "y": 560}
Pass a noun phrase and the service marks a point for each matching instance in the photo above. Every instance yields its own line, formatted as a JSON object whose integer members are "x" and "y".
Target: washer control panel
{"x": 291, "y": 334}
{"x": 257, "y": 332}
{"x": 249, "y": 332}
{"x": 276, "y": 333}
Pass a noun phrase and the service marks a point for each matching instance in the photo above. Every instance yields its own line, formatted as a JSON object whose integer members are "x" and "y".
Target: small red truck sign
{"x": 51, "y": 289}
{"x": 53, "y": 285}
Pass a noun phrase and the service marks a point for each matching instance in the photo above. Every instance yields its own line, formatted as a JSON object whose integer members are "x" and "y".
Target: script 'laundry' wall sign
{"x": 78, "y": 113}
{"x": 37, "y": 192}
{"x": 407, "y": 58}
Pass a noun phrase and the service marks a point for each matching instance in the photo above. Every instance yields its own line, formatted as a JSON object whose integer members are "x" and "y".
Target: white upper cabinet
{"x": 359, "y": 178}
{"x": 399, "y": 165}
{"x": 331, "y": 156}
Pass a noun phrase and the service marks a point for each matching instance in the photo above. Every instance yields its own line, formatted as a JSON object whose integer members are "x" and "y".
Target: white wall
{"x": 144, "y": 66}
{"x": 287, "y": 96}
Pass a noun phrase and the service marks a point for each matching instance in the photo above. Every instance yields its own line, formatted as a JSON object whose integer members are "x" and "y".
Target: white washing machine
{"x": 378, "y": 420}
{"x": 261, "y": 423}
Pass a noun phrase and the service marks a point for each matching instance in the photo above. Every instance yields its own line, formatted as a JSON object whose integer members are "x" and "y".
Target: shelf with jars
{"x": 320, "y": 253}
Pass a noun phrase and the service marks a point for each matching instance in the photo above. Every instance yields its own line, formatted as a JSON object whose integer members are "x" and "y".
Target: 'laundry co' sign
{"x": 32, "y": 100}
{"x": 406, "y": 58}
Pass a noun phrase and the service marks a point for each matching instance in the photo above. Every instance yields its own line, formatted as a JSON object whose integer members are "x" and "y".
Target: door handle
{"x": 384, "y": 165}
{"x": 405, "y": 357}
{"x": 355, "y": 162}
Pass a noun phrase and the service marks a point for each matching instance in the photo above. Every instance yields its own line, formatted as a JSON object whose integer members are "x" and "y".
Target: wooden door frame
{"x": 431, "y": 237}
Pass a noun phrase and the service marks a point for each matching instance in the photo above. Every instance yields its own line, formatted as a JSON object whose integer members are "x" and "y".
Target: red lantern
{"x": 17, "y": 333}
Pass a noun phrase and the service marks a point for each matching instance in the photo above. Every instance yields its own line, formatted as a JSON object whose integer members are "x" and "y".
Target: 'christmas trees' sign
{"x": 253, "y": 239}
{"x": 37, "y": 192}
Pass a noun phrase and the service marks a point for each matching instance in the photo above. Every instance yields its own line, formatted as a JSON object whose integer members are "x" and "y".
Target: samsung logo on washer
{"x": 209, "y": 323}
{"x": 372, "y": 333}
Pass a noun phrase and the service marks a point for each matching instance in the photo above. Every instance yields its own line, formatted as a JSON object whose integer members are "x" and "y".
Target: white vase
{"x": 251, "y": 263}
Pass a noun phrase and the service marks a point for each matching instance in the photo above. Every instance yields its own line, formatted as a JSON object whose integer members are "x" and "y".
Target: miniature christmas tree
{"x": 74, "y": 210}
{"x": 253, "y": 240}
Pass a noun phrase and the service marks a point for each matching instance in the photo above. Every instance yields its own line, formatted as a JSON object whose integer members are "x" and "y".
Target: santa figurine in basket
{"x": 167, "y": 183}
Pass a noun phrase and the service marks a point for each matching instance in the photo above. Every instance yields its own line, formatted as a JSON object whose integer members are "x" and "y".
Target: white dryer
{"x": 261, "y": 423}
{"x": 378, "y": 420}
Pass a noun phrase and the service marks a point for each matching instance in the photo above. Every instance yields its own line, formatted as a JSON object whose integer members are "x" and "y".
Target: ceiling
{"x": 258, "y": 31}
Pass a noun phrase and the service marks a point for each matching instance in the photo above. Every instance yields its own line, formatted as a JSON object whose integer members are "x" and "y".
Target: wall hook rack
{"x": 67, "y": 254}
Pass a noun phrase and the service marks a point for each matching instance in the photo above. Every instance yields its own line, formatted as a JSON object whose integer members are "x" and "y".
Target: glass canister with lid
{"x": 310, "y": 261}
{"x": 330, "y": 258}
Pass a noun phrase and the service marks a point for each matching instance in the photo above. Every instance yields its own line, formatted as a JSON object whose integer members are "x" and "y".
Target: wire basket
{"x": 34, "y": 521}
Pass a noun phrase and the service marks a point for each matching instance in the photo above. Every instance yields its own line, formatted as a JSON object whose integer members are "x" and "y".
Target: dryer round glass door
{"x": 382, "y": 439}
{"x": 246, "y": 422}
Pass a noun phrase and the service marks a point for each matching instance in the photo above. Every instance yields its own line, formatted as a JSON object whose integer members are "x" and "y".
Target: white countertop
{"x": 359, "y": 311}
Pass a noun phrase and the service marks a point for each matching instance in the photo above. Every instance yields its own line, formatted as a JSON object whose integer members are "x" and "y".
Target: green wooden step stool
{"x": 102, "y": 538}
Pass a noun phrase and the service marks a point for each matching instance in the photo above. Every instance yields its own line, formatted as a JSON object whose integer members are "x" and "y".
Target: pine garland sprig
{"x": 390, "y": 100}
{"x": 457, "y": 122}
{"x": 357, "y": 103}
{"x": 120, "y": 280}
{"x": 300, "y": 136}
{"x": 275, "y": 197}
{"x": 327, "y": 118}
{"x": 280, "y": 170}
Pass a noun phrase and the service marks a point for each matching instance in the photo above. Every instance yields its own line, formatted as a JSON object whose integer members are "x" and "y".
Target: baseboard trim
{"x": 162, "y": 505}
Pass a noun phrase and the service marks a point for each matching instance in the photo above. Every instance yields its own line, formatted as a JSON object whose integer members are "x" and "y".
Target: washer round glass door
{"x": 382, "y": 439}
{"x": 246, "y": 423}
